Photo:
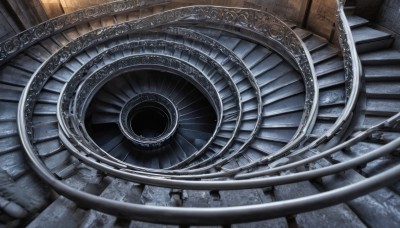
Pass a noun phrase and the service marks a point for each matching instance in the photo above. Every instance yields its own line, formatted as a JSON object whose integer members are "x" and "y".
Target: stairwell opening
{"x": 149, "y": 120}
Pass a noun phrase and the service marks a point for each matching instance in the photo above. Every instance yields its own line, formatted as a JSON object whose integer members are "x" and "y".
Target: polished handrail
{"x": 171, "y": 215}
{"x": 323, "y": 154}
{"x": 353, "y": 74}
{"x": 208, "y": 216}
{"x": 287, "y": 38}
{"x": 185, "y": 174}
{"x": 77, "y": 140}
{"x": 225, "y": 75}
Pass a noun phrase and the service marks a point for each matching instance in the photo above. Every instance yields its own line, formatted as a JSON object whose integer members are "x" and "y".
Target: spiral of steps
{"x": 148, "y": 113}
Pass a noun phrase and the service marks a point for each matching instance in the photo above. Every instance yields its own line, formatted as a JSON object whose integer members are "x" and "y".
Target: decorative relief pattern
{"x": 28, "y": 37}
{"x": 272, "y": 28}
{"x": 347, "y": 52}
{"x": 352, "y": 66}
{"x": 154, "y": 61}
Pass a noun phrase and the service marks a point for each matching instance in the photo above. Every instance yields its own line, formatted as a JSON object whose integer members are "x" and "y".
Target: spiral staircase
{"x": 147, "y": 114}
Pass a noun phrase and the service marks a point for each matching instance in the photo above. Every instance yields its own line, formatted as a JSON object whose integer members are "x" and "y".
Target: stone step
{"x": 368, "y": 39}
{"x": 315, "y": 42}
{"x": 382, "y": 107}
{"x": 382, "y": 73}
{"x": 336, "y": 216}
{"x": 387, "y": 89}
{"x": 366, "y": 34}
{"x": 302, "y": 33}
{"x": 355, "y": 21}
{"x": 329, "y": 66}
{"x": 382, "y": 57}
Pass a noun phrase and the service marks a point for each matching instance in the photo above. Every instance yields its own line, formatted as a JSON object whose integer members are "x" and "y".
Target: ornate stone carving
{"x": 31, "y": 36}
{"x": 254, "y": 22}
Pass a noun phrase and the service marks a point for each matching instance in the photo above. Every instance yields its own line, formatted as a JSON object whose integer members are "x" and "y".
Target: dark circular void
{"x": 149, "y": 120}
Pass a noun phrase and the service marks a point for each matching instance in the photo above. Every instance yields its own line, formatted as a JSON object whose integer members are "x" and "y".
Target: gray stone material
{"x": 250, "y": 180}
{"x": 8, "y": 26}
{"x": 389, "y": 18}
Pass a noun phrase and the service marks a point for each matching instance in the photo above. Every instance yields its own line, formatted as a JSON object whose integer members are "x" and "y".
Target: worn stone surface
{"x": 61, "y": 213}
{"x": 292, "y": 10}
{"x": 336, "y": 216}
{"x": 322, "y": 17}
{"x": 28, "y": 13}
{"x": 341, "y": 215}
{"x": 371, "y": 208}
{"x": 369, "y": 9}
{"x": 8, "y": 26}
{"x": 21, "y": 191}
{"x": 389, "y": 17}
{"x": 117, "y": 190}
{"x": 156, "y": 196}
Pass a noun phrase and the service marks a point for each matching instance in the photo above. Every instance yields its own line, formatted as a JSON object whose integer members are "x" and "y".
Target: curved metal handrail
{"x": 353, "y": 71}
{"x": 208, "y": 216}
{"x": 323, "y": 154}
{"x": 287, "y": 39}
{"x": 249, "y": 184}
{"x": 224, "y": 73}
{"x": 216, "y": 215}
{"x": 232, "y": 56}
{"x": 120, "y": 64}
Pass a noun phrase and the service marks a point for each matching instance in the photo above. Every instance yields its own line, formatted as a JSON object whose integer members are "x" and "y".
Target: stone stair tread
{"x": 284, "y": 104}
{"x": 332, "y": 96}
{"x": 24, "y": 62}
{"x": 250, "y": 197}
{"x": 314, "y": 42}
{"x": 386, "y": 89}
{"x": 367, "y": 34}
{"x": 324, "y": 53}
{"x": 117, "y": 190}
{"x": 302, "y": 33}
{"x": 137, "y": 224}
{"x": 377, "y": 209}
{"x": 61, "y": 211}
{"x": 321, "y": 127}
{"x": 336, "y": 216}
{"x": 349, "y": 10}
{"x": 383, "y": 105}
{"x": 370, "y": 121}
{"x": 382, "y": 72}
{"x": 387, "y": 56}
{"x": 329, "y": 66}
{"x": 291, "y": 24}
{"x": 355, "y": 21}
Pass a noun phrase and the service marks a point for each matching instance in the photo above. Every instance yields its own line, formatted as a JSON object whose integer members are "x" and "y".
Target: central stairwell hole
{"x": 149, "y": 120}
{"x": 154, "y": 117}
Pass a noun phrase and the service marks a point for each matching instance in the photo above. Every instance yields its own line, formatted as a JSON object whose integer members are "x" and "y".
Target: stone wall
{"x": 8, "y": 26}
{"x": 316, "y": 15}
{"x": 369, "y": 9}
{"x": 56, "y": 8}
{"x": 28, "y": 13}
{"x": 322, "y": 18}
{"x": 389, "y": 17}
{"x": 290, "y": 9}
